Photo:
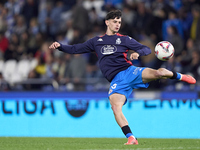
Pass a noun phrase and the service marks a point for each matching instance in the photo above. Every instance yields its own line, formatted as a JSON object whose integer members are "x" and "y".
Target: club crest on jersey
{"x": 108, "y": 49}
{"x": 118, "y": 41}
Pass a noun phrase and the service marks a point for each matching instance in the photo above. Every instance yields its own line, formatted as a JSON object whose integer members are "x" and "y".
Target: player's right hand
{"x": 134, "y": 55}
{"x": 54, "y": 45}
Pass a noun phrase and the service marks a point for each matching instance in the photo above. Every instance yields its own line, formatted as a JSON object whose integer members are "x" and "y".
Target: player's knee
{"x": 116, "y": 108}
{"x": 159, "y": 73}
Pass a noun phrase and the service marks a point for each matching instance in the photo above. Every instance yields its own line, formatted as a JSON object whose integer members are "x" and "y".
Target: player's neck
{"x": 108, "y": 32}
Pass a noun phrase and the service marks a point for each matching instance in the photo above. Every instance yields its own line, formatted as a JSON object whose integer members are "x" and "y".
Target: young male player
{"x": 111, "y": 50}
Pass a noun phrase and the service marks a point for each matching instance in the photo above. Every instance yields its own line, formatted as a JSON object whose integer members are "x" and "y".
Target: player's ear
{"x": 106, "y": 22}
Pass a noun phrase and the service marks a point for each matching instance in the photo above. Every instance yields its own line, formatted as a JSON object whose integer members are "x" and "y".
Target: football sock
{"x": 176, "y": 75}
{"x": 127, "y": 131}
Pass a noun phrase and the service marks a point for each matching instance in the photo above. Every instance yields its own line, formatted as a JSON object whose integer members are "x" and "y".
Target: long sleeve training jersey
{"x": 111, "y": 51}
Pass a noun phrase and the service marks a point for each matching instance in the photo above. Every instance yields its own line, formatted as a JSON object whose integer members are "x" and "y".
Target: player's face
{"x": 113, "y": 25}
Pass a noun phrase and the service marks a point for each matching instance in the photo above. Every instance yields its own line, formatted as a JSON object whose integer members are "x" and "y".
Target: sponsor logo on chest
{"x": 108, "y": 49}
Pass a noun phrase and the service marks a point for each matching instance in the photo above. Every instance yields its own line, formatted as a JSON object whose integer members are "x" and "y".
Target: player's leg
{"x": 117, "y": 101}
{"x": 149, "y": 74}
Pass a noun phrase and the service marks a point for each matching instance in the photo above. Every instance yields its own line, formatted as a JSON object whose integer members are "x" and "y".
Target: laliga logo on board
{"x": 77, "y": 108}
{"x": 108, "y": 49}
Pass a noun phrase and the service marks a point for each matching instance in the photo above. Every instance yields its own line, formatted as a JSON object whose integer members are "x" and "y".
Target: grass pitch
{"x": 24, "y": 143}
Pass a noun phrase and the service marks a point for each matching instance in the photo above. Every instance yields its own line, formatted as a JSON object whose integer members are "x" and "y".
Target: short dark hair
{"x": 113, "y": 14}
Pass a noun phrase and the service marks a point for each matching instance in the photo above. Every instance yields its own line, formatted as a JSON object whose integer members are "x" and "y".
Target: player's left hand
{"x": 134, "y": 55}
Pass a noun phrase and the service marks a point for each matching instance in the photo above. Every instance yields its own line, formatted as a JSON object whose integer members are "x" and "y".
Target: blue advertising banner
{"x": 84, "y": 114}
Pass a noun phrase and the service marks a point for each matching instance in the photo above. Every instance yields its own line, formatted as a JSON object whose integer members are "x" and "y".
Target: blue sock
{"x": 129, "y": 134}
{"x": 178, "y": 76}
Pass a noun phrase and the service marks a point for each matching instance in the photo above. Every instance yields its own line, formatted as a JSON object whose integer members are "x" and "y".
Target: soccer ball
{"x": 164, "y": 50}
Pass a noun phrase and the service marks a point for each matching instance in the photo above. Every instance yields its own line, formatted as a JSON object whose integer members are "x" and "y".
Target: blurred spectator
{"x": 11, "y": 52}
{"x": 24, "y": 39}
{"x": 3, "y": 24}
{"x": 41, "y": 5}
{"x": 175, "y": 39}
{"x": 80, "y": 18}
{"x": 50, "y": 19}
{"x": 44, "y": 19}
{"x": 190, "y": 3}
{"x": 4, "y": 86}
{"x": 55, "y": 18}
{"x": 69, "y": 34}
{"x": 60, "y": 67}
{"x": 7, "y": 21}
{"x": 69, "y": 4}
{"x": 128, "y": 15}
{"x": 140, "y": 21}
{"x": 30, "y": 10}
{"x": 128, "y": 18}
{"x": 95, "y": 12}
{"x": 35, "y": 42}
{"x": 176, "y": 4}
{"x": 158, "y": 5}
{"x": 95, "y": 18}
{"x": 154, "y": 26}
{"x": 76, "y": 74}
{"x": 16, "y": 50}
{"x": 113, "y": 3}
{"x": 32, "y": 86}
{"x": 173, "y": 20}
{"x": 33, "y": 28}
{"x": 190, "y": 62}
{"x": 20, "y": 26}
{"x": 4, "y": 43}
{"x": 43, "y": 53}
{"x": 195, "y": 28}
{"x": 186, "y": 56}
{"x": 40, "y": 69}
{"x": 50, "y": 74}
{"x": 186, "y": 20}
{"x": 194, "y": 65}
{"x": 92, "y": 68}
{"x": 77, "y": 37}
{"x": 13, "y": 7}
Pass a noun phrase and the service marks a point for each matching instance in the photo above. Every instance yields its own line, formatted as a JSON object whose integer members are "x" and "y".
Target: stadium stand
{"x": 27, "y": 27}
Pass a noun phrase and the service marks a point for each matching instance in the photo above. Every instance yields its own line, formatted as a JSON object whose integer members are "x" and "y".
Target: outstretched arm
{"x": 141, "y": 49}
{"x": 81, "y": 48}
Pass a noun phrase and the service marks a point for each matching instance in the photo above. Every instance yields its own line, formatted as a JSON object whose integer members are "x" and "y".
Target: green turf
{"x": 16, "y": 143}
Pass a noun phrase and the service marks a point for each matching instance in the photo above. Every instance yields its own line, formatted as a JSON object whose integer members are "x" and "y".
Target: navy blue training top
{"x": 111, "y": 51}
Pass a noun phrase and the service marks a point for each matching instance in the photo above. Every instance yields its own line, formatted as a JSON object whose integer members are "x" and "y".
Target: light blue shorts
{"x": 125, "y": 81}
